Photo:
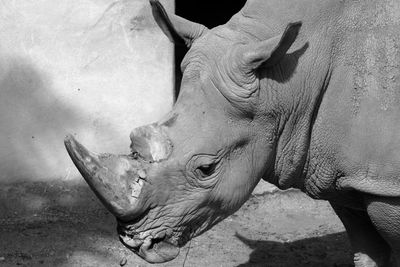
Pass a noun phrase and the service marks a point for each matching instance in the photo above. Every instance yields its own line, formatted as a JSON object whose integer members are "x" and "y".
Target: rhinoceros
{"x": 303, "y": 94}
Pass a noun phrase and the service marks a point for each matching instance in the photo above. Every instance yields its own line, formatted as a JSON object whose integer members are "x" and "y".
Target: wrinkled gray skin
{"x": 315, "y": 107}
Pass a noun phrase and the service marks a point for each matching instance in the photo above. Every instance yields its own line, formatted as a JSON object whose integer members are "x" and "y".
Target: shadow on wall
{"x": 32, "y": 121}
{"x": 327, "y": 250}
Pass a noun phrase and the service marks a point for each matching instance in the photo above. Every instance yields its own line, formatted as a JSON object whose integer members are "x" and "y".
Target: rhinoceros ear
{"x": 269, "y": 52}
{"x": 177, "y": 29}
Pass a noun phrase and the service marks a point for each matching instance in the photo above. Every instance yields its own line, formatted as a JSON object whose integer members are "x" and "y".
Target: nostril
{"x": 131, "y": 242}
{"x": 161, "y": 235}
{"x": 134, "y": 155}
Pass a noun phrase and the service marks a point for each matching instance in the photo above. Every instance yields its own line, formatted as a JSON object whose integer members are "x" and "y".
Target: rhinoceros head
{"x": 200, "y": 163}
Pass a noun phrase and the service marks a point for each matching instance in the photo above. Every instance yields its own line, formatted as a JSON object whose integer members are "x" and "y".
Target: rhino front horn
{"x": 116, "y": 180}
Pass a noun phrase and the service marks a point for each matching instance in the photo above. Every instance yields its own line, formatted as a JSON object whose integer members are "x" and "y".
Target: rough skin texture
{"x": 353, "y": 158}
{"x": 315, "y": 107}
{"x": 342, "y": 111}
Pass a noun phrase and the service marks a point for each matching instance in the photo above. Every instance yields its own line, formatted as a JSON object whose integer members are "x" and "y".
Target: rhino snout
{"x": 155, "y": 249}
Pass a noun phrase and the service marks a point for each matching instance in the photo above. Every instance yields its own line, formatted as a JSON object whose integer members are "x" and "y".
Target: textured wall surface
{"x": 95, "y": 69}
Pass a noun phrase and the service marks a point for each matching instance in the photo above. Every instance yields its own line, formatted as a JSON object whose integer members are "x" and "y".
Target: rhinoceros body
{"x": 303, "y": 94}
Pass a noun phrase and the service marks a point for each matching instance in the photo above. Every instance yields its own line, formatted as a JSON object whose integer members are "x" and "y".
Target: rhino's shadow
{"x": 288, "y": 66}
{"x": 327, "y": 250}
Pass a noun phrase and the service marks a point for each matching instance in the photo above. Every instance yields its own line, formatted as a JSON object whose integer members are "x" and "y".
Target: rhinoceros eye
{"x": 206, "y": 170}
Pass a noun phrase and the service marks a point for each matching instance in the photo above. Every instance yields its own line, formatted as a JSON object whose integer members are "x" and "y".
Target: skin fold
{"x": 302, "y": 94}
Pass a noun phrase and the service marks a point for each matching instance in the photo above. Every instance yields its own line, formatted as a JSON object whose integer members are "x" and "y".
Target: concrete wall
{"x": 96, "y": 69}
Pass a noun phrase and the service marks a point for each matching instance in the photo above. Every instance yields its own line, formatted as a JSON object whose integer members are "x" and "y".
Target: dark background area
{"x": 207, "y": 12}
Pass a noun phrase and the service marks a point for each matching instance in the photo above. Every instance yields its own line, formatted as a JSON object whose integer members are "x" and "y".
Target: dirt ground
{"x": 45, "y": 224}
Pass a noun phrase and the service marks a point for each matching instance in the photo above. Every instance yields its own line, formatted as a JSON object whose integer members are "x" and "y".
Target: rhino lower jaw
{"x": 151, "y": 249}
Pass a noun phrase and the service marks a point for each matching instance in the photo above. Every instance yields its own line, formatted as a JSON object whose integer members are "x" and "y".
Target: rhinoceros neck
{"x": 296, "y": 129}
{"x": 304, "y": 74}
{"x": 299, "y": 89}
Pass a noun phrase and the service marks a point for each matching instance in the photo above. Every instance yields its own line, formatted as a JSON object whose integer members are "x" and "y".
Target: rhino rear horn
{"x": 151, "y": 143}
{"x": 178, "y": 30}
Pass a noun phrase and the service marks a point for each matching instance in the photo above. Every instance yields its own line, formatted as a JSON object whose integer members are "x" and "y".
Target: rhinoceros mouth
{"x": 154, "y": 249}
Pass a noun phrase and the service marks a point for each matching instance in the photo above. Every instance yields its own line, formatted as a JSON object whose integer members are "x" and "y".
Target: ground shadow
{"x": 320, "y": 251}
{"x": 64, "y": 224}
{"x": 55, "y": 224}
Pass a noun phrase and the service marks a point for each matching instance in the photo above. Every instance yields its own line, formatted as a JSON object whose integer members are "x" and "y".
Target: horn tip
{"x": 153, "y": 2}
{"x": 71, "y": 143}
{"x": 69, "y": 139}
{"x": 295, "y": 25}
